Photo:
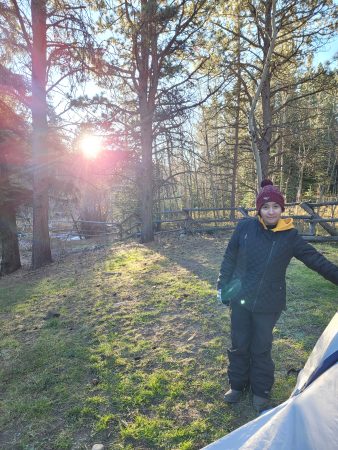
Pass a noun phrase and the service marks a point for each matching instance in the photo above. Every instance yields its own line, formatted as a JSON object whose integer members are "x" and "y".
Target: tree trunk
{"x": 210, "y": 168}
{"x": 301, "y": 163}
{"x": 147, "y": 61}
{"x": 261, "y": 145}
{"x": 300, "y": 184}
{"x": 146, "y": 180}
{"x": 41, "y": 252}
{"x": 286, "y": 194}
{"x": 281, "y": 152}
{"x": 10, "y": 255}
{"x": 265, "y": 141}
{"x": 237, "y": 118}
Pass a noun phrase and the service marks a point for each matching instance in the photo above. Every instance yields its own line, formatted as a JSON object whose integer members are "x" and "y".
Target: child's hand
{"x": 219, "y": 298}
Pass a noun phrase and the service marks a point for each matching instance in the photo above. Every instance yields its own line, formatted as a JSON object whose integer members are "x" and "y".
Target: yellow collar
{"x": 282, "y": 224}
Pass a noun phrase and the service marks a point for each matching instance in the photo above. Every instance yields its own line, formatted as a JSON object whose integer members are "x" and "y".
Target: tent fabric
{"x": 308, "y": 420}
{"x": 327, "y": 363}
{"x": 326, "y": 345}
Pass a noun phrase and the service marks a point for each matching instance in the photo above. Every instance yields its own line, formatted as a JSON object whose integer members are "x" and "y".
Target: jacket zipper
{"x": 264, "y": 273}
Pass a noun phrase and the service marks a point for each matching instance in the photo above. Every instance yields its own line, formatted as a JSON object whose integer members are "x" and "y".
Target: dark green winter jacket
{"x": 259, "y": 257}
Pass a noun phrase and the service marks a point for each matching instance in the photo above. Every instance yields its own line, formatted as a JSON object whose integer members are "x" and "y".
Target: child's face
{"x": 270, "y": 213}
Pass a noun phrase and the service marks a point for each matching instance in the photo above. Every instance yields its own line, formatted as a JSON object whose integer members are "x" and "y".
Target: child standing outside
{"x": 252, "y": 282}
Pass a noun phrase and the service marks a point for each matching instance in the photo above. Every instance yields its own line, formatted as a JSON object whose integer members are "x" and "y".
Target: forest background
{"x": 117, "y": 109}
{"x": 176, "y": 104}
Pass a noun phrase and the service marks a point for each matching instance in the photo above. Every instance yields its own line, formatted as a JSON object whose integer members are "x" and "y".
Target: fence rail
{"x": 313, "y": 225}
{"x": 187, "y": 222}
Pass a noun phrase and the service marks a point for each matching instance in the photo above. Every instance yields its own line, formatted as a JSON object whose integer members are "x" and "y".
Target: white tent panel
{"x": 325, "y": 346}
{"x": 307, "y": 420}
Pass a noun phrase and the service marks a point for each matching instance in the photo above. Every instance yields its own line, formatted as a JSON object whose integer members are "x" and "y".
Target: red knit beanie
{"x": 269, "y": 193}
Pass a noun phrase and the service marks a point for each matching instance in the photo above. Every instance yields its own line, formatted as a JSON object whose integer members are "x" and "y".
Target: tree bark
{"x": 301, "y": 162}
{"x": 41, "y": 251}
{"x": 237, "y": 118}
{"x": 261, "y": 146}
{"x": 10, "y": 254}
{"x": 146, "y": 179}
{"x": 300, "y": 184}
{"x": 147, "y": 58}
{"x": 265, "y": 141}
{"x": 209, "y": 160}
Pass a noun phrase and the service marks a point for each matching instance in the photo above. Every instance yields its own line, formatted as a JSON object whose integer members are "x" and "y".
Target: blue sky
{"x": 327, "y": 52}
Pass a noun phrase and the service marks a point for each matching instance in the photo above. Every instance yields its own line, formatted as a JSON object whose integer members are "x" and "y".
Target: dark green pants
{"x": 250, "y": 362}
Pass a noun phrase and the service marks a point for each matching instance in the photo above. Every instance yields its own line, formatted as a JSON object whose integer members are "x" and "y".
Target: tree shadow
{"x": 200, "y": 254}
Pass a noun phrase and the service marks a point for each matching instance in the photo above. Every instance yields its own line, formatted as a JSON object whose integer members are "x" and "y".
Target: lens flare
{"x": 91, "y": 146}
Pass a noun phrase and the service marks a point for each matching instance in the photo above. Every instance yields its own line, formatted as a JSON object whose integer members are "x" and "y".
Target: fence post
{"x": 157, "y": 224}
{"x": 120, "y": 228}
{"x": 312, "y": 227}
{"x": 331, "y": 230}
{"x": 188, "y": 220}
{"x": 244, "y": 211}
{"x": 76, "y": 227}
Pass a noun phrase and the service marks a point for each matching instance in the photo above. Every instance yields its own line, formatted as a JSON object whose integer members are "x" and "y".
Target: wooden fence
{"x": 314, "y": 224}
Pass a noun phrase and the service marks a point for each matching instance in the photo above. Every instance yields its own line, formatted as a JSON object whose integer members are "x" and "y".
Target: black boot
{"x": 260, "y": 403}
{"x": 232, "y": 396}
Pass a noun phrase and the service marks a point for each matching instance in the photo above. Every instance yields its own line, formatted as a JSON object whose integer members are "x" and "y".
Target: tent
{"x": 308, "y": 419}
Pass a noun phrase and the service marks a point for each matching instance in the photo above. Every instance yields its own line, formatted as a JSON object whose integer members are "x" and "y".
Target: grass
{"x": 137, "y": 357}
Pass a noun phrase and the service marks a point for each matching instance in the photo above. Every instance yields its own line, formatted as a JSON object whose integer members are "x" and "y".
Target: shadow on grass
{"x": 200, "y": 254}
{"x": 137, "y": 358}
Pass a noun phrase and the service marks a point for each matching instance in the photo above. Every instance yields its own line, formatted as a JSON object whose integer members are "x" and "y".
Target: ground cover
{"x": 124, "y": 344}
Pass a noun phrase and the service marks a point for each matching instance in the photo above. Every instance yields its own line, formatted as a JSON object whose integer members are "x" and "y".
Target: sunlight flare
{"x": 91, "y": 145}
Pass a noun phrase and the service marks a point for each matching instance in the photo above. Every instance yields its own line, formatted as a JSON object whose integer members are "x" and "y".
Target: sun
{"x": 91, "y": 145}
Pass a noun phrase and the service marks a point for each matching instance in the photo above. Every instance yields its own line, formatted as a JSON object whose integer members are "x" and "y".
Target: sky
{"x": 327, "y": 53}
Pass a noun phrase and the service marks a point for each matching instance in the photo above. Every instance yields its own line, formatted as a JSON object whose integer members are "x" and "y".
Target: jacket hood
{"x": 282, "y": 224}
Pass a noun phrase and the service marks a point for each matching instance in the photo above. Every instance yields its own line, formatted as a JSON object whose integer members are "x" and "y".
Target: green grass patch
{"x": 137, "y": 357}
